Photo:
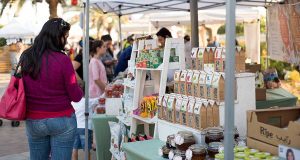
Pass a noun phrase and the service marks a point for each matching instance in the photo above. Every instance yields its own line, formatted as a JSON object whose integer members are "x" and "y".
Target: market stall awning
{"x": 127, "y": 7}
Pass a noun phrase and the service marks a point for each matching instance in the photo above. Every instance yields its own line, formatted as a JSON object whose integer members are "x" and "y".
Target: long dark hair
{"x": 50, "y": 38}
{"x": 290, "y": 151}
{"x": 94, "y": 45}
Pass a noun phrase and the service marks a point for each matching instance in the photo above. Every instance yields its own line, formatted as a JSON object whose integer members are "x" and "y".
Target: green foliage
{"x": 239, "y": 29}
{"x": 2, "y": 42}
{"x": 280, "y": 67}
{"x": 263, "y": 25}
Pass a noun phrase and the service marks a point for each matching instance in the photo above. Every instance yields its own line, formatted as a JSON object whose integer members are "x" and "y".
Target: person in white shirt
{"x": 79, "y": 142}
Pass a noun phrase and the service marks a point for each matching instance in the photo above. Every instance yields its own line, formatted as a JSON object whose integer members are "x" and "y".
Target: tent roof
{"x": 137, "y": 6}
{"x": 16, "y": 30}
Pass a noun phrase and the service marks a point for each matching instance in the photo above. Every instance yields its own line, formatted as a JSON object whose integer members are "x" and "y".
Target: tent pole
{"x": 120, "y": 29}
{"x": 86, "y": 74}
{"x": 194, "y": 23}
{"x": 230, "y": 78}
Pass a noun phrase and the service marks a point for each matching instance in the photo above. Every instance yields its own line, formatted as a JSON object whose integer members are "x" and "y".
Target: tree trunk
{"x": 53, "y": 8}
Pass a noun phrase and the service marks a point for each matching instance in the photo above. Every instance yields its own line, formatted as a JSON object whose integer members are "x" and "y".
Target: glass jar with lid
{"x": 179, "y": 154}
{"x": 171, "y": 142}
{"x": 188, "y": 140}
{"x": 165, "y": 152}
{"x": 213, "y": 148}
{"x": 198, "y": 152}
{"x": 214, "y": 134}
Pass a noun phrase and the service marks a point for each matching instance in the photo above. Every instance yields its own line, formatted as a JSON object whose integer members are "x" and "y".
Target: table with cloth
{"x": 277, "y": 97}
{"x": 143, "y": 150}
{"x": 102, "y": 135}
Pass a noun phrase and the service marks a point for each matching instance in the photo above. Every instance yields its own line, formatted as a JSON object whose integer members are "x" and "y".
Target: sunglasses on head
{"x": 62, "y": 22}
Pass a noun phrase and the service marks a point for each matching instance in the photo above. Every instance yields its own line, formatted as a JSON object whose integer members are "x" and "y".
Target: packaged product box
{"x": 202, "y": 84}
{"x": 286, "y": 152}
{"x": 165, "y": 107}
{"x": 218, "y": 86}
{"x": 189, "y": 83}
{"x": 171, "y": 109}
{"x": 160, "y": 100}
{"x": 190, "y": 112}
{"x": 211, "y": 55}
{"x": 203, "y": 113}
{"x": 200, "y": 59}
{"x": 275, "y": 126}
{"x": 177, "y": 109}
{"x": 216, "y": 113}
{"x": 219, "y": 59}
{"x": 240, "y": 57}
{"x": 177, "y": 81}
{"x": 208, "y": 85}
{"x": 195, "y": 84}
{"x": 194, "y": 58}
{"x": 182, "y": 82}
{"x": 209, "y": 113}
{"x": 261, "y": 146}
{"x": 205, "y": 55}
{"x": 197, "y": 115}
{"x": 183, "y": 111}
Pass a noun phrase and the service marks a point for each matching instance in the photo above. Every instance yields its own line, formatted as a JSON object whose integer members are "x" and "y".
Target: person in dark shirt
{"x": 123, "y": 60}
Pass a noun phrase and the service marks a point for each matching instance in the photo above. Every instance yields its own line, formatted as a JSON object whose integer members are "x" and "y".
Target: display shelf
{"x": 167, "y": 128}
{"x": 149, "y": 69}
{"x": 126, "y": 121}
{"x": 145, "y": 120}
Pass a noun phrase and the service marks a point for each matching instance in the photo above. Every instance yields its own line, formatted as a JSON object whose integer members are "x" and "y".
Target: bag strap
{"x": 18, "y": 74}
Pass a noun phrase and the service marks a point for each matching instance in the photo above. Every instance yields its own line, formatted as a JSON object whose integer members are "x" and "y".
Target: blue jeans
{"x": 80, "y": 139}
{"x": 53, "y": 136}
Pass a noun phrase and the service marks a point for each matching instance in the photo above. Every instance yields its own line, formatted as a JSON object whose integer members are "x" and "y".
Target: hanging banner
{"x": 284, "y": 33}
{"x": 252, "y": 40}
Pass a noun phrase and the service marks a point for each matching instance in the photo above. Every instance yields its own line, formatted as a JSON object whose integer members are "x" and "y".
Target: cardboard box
{"x": 182, "y": 82}
{"x": 240, "y": 57}
{"x": 160, "y": 100}
{"x": 199, "y": 121}
{"x": 205, "y": 55}
{"x": 183, "y": 111}
{"x": 165, "y": 106}
{"x": 288, "y": 152}
{"x": 209, "y": 114}
{"x": 188, "y": 82}
{"x": 171, "y": 109}
{"x": 218, "y": 87}
{"x": 177, "y": 81}
{"x": 200, "y": 59}
{"x": 208, "y": 85}
{"x": 268, "y": 126}
{"x": 253, "y": 68}
{"x": 211, "y": 55}
{"x": 216, "y": 114}
{"x": 219, "y": 60}
{"x": 177, "y": 109}
{"x": 261, "y": 146}
{"x": 195, "y": 84}
{"x": 190, "y": 112}
{"x": 203, "y": 113}
{"x": 202, "y": 85}
{"x": 260, "y": 94}
{"x": 194, "y": 58}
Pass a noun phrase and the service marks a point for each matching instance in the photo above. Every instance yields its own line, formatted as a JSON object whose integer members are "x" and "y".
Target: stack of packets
{"x": 207, "y": 85}
{"x": 212, "y": 59}
{"x": 147, "y": 108}
{"x": 149, "y": 58}
{"x": 189, "y": 111}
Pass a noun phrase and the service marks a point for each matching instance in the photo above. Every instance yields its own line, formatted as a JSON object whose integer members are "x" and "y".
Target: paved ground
{"x": 13, "y": 140}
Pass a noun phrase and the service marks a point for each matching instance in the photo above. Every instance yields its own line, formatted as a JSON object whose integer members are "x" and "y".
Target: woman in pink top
{"x": 97, "y": 73}
{"x": 50, "y": 87}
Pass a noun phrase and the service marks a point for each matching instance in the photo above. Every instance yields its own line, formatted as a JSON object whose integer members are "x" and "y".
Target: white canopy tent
{"x": 126, "y": 7}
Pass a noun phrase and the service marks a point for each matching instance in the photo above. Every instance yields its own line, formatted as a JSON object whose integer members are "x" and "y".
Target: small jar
{"x": 179, "y": 154}
{"x": 170, "y": 142}
{"x": 165, "y": 152}
{"x": 188, "y": 140}
{"x": 214, "y": 134}
{"x": 213, "y": 148}
{"x": 198, "y": 152}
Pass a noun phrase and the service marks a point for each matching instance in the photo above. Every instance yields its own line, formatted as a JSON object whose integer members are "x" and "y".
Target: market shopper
{"x": 162, "y": 34}
{"x": 50, "y": 86}
{"x": 108, "y": 58}
{"x": 187, "y": 51}
{"x": 97, "y": 72}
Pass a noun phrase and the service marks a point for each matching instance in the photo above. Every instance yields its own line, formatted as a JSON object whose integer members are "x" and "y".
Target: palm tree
{"x": 52, "y": 6}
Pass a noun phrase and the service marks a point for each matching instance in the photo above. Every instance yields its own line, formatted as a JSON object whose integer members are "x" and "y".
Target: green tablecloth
{"x": 102, "y": 134}
{"x": 143, "y": 150}
{"x": 277, "y": 97}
